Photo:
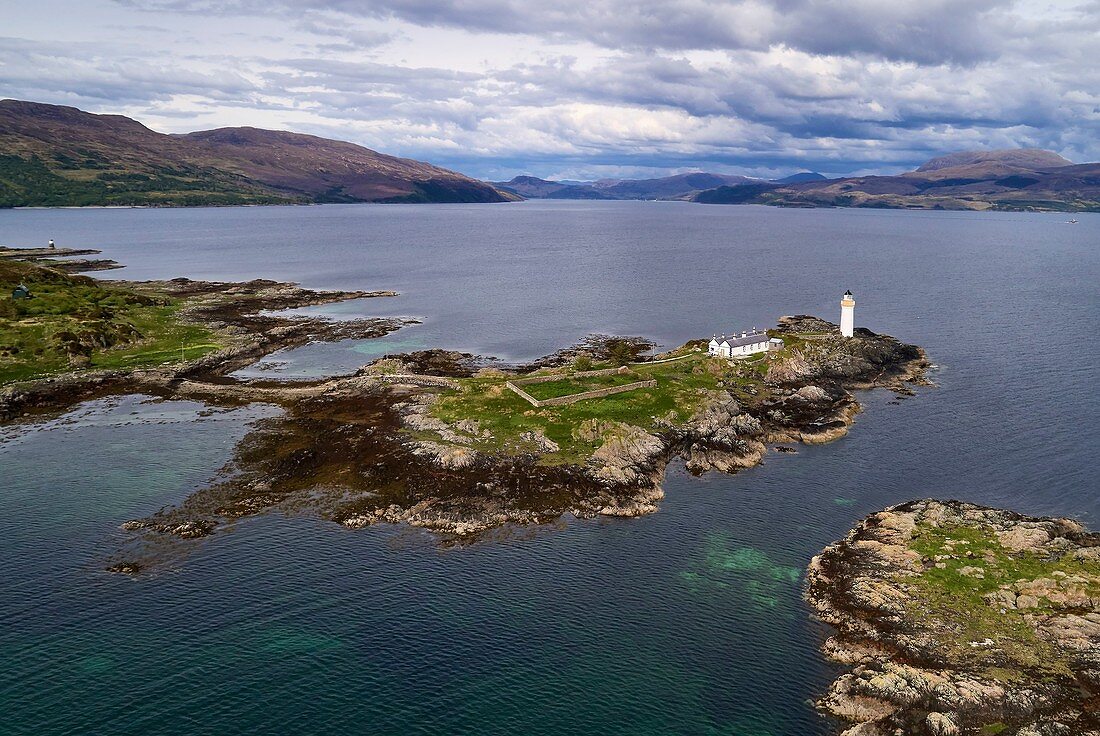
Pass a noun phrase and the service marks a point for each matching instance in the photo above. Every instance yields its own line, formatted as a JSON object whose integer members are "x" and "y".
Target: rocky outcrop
{"x": 823, "y": 356}
{"x": 959, "y": 619}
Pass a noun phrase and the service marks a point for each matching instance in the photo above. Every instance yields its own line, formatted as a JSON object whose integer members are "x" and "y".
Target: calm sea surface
{"x": 688, "y": 621}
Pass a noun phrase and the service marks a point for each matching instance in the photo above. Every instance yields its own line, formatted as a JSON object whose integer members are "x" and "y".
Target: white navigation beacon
{"x": 847, "y": 314}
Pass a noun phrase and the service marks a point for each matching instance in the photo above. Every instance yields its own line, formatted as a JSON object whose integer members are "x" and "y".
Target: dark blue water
{"x": 688, "y": 621}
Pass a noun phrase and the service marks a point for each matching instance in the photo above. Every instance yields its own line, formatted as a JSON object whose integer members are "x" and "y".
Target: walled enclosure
{"x": 573, "y": 398}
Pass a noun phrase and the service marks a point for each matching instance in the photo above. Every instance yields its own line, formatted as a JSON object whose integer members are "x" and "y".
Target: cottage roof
{"x": 750, "y": 338}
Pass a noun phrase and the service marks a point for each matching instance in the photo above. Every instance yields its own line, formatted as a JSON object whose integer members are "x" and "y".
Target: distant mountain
{"x": 801, "y": 177}
{"x": 997, "y": 163}
{"x": 531, "y": 187}
{"x": 1016, "y": 179}
{"x": 679, "y": 186}
{"x": 61, "y": 156}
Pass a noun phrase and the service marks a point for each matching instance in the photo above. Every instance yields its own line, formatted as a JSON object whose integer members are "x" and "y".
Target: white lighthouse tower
{"x": 847, "y": 314}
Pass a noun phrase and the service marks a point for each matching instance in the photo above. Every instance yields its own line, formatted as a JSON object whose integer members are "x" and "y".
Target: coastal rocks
{"x": 596, "y": 348}
{"x": 644, "y": 502}
{"x": 628, "y": 456}
{"x": 447, "y": 456}
{"x": 742, "y": 454}
{"x": 811, "y": 393}
{"x": 863, "y": 361}
{"x": 540, "y": 441}
{"x": 434, "y": 363}
{"x": 961, "y": 620}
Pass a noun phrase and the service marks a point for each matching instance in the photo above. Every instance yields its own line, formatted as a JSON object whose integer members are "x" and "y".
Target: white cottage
{"x": 747, "y": 343}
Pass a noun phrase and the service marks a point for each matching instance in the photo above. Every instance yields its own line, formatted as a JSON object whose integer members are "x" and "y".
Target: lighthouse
{"x": 847, "y": 314}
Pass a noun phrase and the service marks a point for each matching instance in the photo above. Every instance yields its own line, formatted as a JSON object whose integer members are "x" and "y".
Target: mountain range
{"x": 1024, "y": 179}
{"x": 680, "y": 186}
{"x": 1011, "y": 179}
{"x": 61, "y": 156}
{"x": 52, "y": 155}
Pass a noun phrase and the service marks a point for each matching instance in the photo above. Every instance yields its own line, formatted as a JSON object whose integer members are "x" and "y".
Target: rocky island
{"x": 962, "y": 620}
{"x": 440, "y": 441}
{"x": 454, "y": 443}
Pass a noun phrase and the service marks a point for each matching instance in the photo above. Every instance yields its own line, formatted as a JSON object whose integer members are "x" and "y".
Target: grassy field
{"x": 682, "y": 387}
{"x": 570, "y": 386}
{"x": 974, "y": 565}
{"x": 74, "y": 322}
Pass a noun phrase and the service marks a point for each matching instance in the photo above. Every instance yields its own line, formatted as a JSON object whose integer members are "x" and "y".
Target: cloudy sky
{"x": 584, "y": 88}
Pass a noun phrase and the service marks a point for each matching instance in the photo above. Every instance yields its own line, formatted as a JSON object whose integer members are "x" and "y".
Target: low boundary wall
{"x": 572, "y": 398}
{"x": 413, "y": 379}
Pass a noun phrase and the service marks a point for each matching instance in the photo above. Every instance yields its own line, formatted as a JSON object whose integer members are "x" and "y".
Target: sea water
{"x": 686, "y": 621}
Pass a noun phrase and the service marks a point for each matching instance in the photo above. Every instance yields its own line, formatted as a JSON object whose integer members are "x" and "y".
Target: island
{"x": 455, "y": 443}
{"x": 957, "y": 619}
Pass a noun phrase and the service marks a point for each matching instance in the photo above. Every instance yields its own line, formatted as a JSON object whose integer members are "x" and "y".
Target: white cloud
{"x": 586, "y": 85}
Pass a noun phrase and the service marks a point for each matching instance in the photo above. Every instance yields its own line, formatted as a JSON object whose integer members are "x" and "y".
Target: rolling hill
{"x": 52, "y": 155}
{"x": 1013, "y": 179}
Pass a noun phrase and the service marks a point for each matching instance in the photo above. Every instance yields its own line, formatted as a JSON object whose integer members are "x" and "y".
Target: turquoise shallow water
{"x": 688, "y": 621}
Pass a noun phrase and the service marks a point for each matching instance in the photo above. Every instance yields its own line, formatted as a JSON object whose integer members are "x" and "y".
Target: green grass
{"x": 954, "y": 602}
{"x": 681, "y": 390}
{"x": 570, "y": 386}
{"x": 75, "y": 322}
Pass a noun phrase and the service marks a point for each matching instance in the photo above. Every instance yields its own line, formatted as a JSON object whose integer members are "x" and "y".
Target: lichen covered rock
{"x": 962, "y": 620}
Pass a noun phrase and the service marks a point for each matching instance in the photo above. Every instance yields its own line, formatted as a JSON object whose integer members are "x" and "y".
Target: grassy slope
{"x": 60, "y": 156}
{"x": 681, "y": 390}
{"x": 953, "y": 601}
{"x": 74, "y": 322}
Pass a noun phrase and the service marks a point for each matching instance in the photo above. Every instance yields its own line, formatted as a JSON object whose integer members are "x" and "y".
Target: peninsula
{"x": 449, "y": 442}
{"x": 957, "y": 619}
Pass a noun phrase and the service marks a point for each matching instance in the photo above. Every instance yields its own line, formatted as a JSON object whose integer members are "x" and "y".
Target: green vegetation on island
{"x": 507, "y": 423}
{"x": 959, "y": 591}
{"x": 77, "y": 322}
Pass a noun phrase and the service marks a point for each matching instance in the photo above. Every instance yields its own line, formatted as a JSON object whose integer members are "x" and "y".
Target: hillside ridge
{"x": 54, "y": 155}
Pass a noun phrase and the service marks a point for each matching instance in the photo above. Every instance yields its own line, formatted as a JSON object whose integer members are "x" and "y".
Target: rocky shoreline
{"x": 239, "y": 312}
{"x": 957, "y": 619}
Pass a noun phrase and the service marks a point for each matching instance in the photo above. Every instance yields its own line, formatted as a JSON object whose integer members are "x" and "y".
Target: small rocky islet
{"x": 961, "y": 620}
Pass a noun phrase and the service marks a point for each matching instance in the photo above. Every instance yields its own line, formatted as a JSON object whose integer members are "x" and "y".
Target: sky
{"x": 585, "y": 89}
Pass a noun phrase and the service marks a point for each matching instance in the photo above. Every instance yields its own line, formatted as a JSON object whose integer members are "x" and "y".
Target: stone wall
{"x": 414, "y": 379}
{"x": 573, "y": 398}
